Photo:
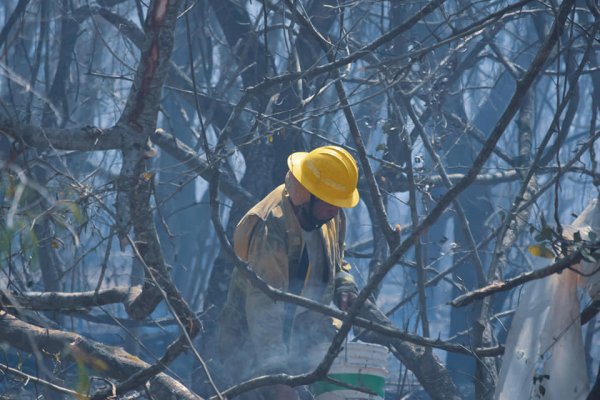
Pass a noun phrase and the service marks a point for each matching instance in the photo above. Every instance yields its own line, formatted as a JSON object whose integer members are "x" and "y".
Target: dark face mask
{"x": 306, "y": 217}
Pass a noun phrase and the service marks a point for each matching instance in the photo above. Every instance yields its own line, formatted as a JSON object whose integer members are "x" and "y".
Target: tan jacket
{"x": 269, "y": 238}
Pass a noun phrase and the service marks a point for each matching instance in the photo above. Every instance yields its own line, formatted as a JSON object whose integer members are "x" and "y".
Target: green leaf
{"x": 592, "y": 236}
{"x": 83, "y": 381}
{"x": 577, "y": 237}
{"x": 542, "y": 390}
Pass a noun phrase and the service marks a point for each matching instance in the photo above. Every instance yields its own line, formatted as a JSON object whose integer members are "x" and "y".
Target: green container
{"x": 372, "y": 383}
{"x": 360, "y": 365}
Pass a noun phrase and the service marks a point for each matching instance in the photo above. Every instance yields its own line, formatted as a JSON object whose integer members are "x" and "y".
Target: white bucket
{"x": 360, "y": 365}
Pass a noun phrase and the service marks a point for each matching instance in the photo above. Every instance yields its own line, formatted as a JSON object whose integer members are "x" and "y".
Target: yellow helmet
{"x": 329, "y": 172}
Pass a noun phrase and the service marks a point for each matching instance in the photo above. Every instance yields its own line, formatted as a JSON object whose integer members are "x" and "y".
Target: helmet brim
{"x": 295, "y": 161}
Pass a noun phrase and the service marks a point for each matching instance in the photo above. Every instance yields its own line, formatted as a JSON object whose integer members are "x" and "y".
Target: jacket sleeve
{"x": 344, "y": 281}
{"x": 267, "y": 255}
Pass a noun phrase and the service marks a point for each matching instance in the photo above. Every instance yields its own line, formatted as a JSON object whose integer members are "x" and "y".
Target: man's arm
{"x": 267, "y": 255}
{"x": 346, "y": 290}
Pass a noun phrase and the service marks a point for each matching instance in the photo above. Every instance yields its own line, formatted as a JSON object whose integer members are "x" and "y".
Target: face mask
{"x": 307, "y": 220}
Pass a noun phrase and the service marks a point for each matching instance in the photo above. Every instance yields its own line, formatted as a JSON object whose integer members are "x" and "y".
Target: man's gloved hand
{"x": 345, "y": 290}
{"x": 345, "y": 300}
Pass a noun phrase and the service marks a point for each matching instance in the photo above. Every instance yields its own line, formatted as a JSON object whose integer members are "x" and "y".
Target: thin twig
{"x": 31, "y": 378}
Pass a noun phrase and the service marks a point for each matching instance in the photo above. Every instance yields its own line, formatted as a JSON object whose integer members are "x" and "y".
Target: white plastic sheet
{"x": 589, "y": 220}
{"x": 522, "y": 348}
{"x": 544, "y": 356}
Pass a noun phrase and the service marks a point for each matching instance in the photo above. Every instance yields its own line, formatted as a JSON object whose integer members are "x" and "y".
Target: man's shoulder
{"x": 271, "y": 208}
{"x": 268, "y": 218}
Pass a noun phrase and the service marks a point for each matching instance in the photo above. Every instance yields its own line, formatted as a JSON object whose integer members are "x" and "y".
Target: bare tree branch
{"x": 86, "y": 138}
{"x": 18, "y": 11}
{"x": 367, "y": 49}
{"x": 30, "y": 378}
{"x": 522, "y": 87}
{"x": 183, "y": 153}
{"x": 497, "y": 286}
{"x": 111, "y": 361}
{"x": 48, "y": 301}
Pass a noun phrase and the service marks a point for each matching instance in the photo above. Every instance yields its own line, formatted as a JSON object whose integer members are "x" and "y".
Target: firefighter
{"x": 293, "y": 239}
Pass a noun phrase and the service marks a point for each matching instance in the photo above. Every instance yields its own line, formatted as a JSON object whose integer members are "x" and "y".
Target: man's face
{"x": 314, "y": 214}
{"x": 323, "y": 211}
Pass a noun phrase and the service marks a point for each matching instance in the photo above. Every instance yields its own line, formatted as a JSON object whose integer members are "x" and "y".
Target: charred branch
{"x": 61, "y": 301}
{"x": 87, "y": 138}
{"x": 109, "y": 361}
